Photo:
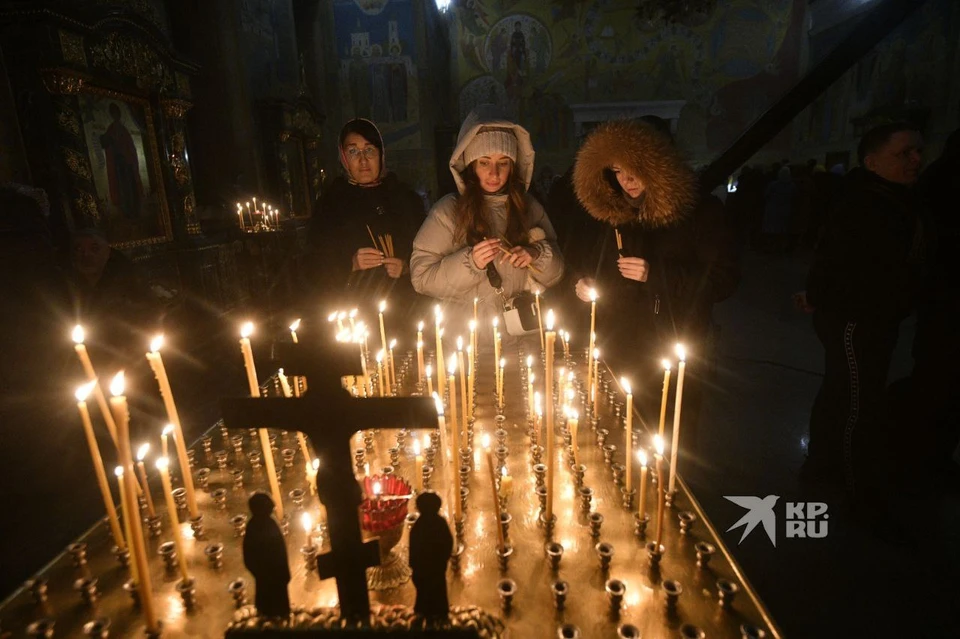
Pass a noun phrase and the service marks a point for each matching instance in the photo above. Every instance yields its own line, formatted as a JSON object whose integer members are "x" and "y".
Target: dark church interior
{"x": 781, "y": 178}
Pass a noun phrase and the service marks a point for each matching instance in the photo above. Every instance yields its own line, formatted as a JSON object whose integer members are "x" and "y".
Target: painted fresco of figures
{"x": 123, "y": 165}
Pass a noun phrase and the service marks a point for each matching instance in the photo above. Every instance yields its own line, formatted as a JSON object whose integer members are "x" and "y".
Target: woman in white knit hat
{"x": 492, "y": 227}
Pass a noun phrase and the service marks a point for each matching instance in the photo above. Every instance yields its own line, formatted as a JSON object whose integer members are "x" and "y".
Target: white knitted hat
{"x": 489, "y": 142}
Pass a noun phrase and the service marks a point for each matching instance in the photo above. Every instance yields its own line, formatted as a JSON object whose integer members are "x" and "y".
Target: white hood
{"x": 488, "y": 115}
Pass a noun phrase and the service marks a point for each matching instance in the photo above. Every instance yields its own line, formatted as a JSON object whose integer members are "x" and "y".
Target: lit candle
{"x": 642, "y": 458}
{"x": 506, "y": 483}
{"x": 240, "y": 215}
{"x": 166, "y": 393}
{"x": 163, "y": 465}
{"x": 530, "y": 385}
{"x": 393, "y": 370}
{"x": 293, "y": 330}
{"x": 429, "y": 372}
{"x": 596, "y": 383}
{"x": 245, "y": 332}
{"x": 454, "y": 424}
{"x": 164, "y": 448}
{"x": 661, "y": 492}
{"x": 145, "y": 485}
{"x": 470, "y": 381}
{"x": 475, "y": 316}
{"x": 503, "y": 364}
{"x": 121, "y": 416}
{"x": 380, "y": 372}
{"x": 118, "y": 471}
{"x": 420, "y": 352}
{"x": 255, "y": 205}
{"x": 663, "y": 399}
{"x": 628, "y": 433}
{"x": 532, "y": 395}
{"x": 307, "y": 522}
{"x": 593, "y": 335}
{"x": 438, "y": 356}
{"x": 573, "y": 423}
{"x": 536, "y": 293}
{"x": 551, "y": 337}
{"x": 88, "y": 370}
{"x": 496, "y": 345}
{"x": 417, "y": 466}
{"x": 82, "y": 393}
{"x": 538, "y": 415}
{"x": 501, "y": 543}
{"x": 445, "y": 461}
{"x": 675, "y": 444}
{"x": 301, "y": 438}
{"x": 462, "y": 372}
{"x": 352, "y": 315}
{"x": 383, "y": 332}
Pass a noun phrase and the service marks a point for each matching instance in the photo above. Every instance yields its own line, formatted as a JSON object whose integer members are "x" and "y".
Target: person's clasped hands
{"x": 487, "y": 250}
{"x": 367, "y": 258}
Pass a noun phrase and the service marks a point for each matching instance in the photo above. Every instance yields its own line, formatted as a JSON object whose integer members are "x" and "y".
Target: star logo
{"x": 760, "y": 512}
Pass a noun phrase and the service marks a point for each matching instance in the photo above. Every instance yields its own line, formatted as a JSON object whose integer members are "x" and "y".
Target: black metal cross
{"x": 330, "y": 417}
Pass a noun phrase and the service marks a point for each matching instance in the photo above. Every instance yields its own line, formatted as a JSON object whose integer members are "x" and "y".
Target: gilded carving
{"x": 181, "y": 171}
{"x": 77, "y": 163}
{"x": 86, "y": 206}
{"x": 189, "y": 204}
{"x": 284, "y": 136}
{"x": 71, "y": 45}
{"x": 175, "y": 109}
{"x": 126, "y": 56}
{"x": 62, "y": 81}
{"x": 68, "y": 122}
{"x": 145, "y": 8}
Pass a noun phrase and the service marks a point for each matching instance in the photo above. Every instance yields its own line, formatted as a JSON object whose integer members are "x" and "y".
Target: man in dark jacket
{"x": 862, "y": 285}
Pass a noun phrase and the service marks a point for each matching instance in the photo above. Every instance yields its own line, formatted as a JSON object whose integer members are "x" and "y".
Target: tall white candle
{"x": 628, "y": 433}
{"x": 675, "y": 445}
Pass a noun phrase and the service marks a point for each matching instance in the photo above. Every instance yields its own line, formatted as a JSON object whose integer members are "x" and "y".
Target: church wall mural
{"x": 536, "y": 59}
{"x": 376, "y": 50}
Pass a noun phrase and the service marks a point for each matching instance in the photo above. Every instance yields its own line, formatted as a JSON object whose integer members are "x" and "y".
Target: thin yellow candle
{"x": 82, "y": 393}
{"x": 496, "y": 343}
{"x": 642, "y": 458}
{"x": 675, "y": 445}
{"x": 462, "y": 372}
{"x": 78, "y": 336}
{"x": 118, "y": 471}
{"x": 501, "y": 543}
{"x": 245, "y": 332}
{"x": 573, "y": 423}
{"x": 476, "y": 300}
{"x": 452, "y": 473}
{"x": 163, "y": 465}
{"x": 531, "y": 394}
{"x": 454, "y": 422}
{"x": 383, "y": 332}
{"x": 393, "y": 369}
{"x": 470, "y": 380}
{"x": 166, "y": 393}
{"x": 380, "y": 372}
{"x": 306, "y": 520}
{"x": 551, "y": 337}
{"x": 536, "y": 293}
{"x": 301, "y": 438}
{"x": 438, "y": 356}
{"x": 240, "y": 215}
{"x": 429, "y": 372}
{"x": 420, "y": 353}
{"x": 503, "y": 364}
{"x": 593, "y": 334}
{"x": 663, "y": 399}
{"x": 121, "y": 416}
{"x": 506, "y": 483}
{"x": 293, "y": 330}
{"x": 164, "y": 448}
{"x": 144, "y": 484}
{"x": 628, "y": 434}
{"x": 417, "y": 466}
{"x": 538, "y": 415}
{"x": 661, "y": 493}
{"x": 596, "y": 383}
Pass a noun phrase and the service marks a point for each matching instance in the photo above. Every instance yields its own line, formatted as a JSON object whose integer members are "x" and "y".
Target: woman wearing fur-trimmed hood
{"x": 675, "y": 257}
{"x": 491, "y": 224}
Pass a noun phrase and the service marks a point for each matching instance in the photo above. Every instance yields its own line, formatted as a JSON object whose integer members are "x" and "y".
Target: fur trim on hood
{"x": 488, "y": 116}
{"x": 670, "y": 185}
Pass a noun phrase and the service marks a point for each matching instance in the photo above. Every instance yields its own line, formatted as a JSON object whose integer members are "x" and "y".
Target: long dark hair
{"x": 470, "y": 218}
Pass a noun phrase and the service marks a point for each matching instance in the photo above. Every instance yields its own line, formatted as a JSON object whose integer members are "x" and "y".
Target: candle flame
{"x": 536, "y": 399}
{"x": 341, "y": 315}
{"x": 383, "y": 305}
{"x": 666, "y": 364}
{"x": 142, "y": 451}
{"x": 550, "y": 319}
{"x": 429, "y": 370}
{"x": 420, "y": 326}
{"x": 469, "y": 349}
{"x": 593, "y": 294}
{"x": 246, "y": 330}
{"x": 116, "y": 386}
{"x": 496, "y": 322}
{"x": 503, "y": 471}
{"x": 596, "y": 353}
{"x": 626, "y": 385}
{"x": 118, "y": 471}
{"x": 377, "y": 488}
{"x": 393, "y": 344}
{"x": 353, "y": 313}
{"x": 533, "y": 377}
{"x": 453, "y": 364}
{"x": 658, "y": 444}
{"x": 485, "y": 441}
{"x": 84, "y": 391}
{"x": 642, "y": 457}
{"x": 379, "y": 356}
{"x": 529, "y": 361}
{"x": 416, "y": 447}
{"x": 681, "y": 352}
{"x": 156, "y": 343}
{"x": 459, "y": 343}
{"x": 332, "y": 316}
{"x": 162, "y": 463}
{"x": 473, "y": 325}
{"x": 296, "y": 325}
{"x": 437, "y": 312}
{"x": 536, "y": 291}
{"x": 426, "y": 440}
{"x": 503, "y": 362}
{"x": 315, "y": 464}
{"x": 78, "y": 334}
{"x": 439, "y": 403}
{"x": 420, "y": 344}
{"x": 307, "y": 522}
{"x": 167, "y": 430}
{"x": 574, "y": 413}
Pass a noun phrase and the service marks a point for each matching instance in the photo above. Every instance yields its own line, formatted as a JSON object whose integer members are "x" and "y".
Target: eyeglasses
{"x": 368, "y": 152}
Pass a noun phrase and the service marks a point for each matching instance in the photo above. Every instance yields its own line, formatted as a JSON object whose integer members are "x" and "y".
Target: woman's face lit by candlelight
{"x": 630, "y": 183}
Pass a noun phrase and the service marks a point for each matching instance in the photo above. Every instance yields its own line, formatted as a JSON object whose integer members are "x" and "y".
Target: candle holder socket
{"x": 586, "y": 498}
{"x": 626, "y": 497}
{"x": 672, "y": 589}
{"x": 99, "y": 628}
{"x": 628, "y": 631}
{"x": 191, "y": 458}
{"x": 690, "y": 631}
{"x": 203, "y": 478}
{"x": 595, "y": 520}
{"x": 87, "y": 587}
{"x": 368, "y": 441}
{"x": 285, "y": 525}
{"x": 309, "y": 553}
{"x": 578, "y": 472}
{"x": 568, "y": 631}
{"x": 559, "y": 589}
{"x": 426, "y": 476}
{"x": 78, "y": 554}
{"x": 640, "y": 524}
{"x": 256, "y": 459}
{"x": 196, "y": 524}
{"x": 359, "y": 459}
{"x": 238, "y": 590}
{"x": 464, "y": 493}
{"x": 188, "y": 592}
{"x": 122, "y": 555}
{"x": 540, "y": 471}
{"x": 503, "y": 557}
{"x": 220, "y": 498}
{"x": 168, "y": 552}
{"x": 654, "y": 553}
{"x": 705, "y": 551}
{"x": 41, "y": 628}
{"x": 133, "y": 591}
{"x": 237, "y": 475}
{"x": 727, "y": 591}
{"x": 386, "y": 471}
{"x": 402, "y": 439}
{"x": 505, "y": 519}
{"x": 548, "y": 525}
{"x": 501, "y": 453}
{"x": 506, "y": 589}
{"x": 296, "y": 496}
{"x": 554, "y": 551}
{"x": 214, "y": 555}
{"x": 154, "y": 525}
{"x": 221, "y": 457}
{"x": 617, "y": 471}
{"x": 466, "y": 457}
{"x": 464, "y": 476}
{"x": 750, "y": 631}
{"x": 500, "y": 433}
{"x": 430, "y": 455}
{"x": 394, "y": 457}
{"x": 541, "y": 492}
{"x": 288, "y": 454}
{"x": 237, "y": 442}
{"x": 207, "y": 442}
{"x": 615, "y": 590}
{"x": 687, "y": 519}
{"x": 239, "y": 523}
{"x": 411, "y": 519}
{"x": 38, "y": 589}
{"x": 455, "y": 557}
{"x": 668, "y": 498}
{"x": 536, "y": 455}
{"x": 458, "y": 526}
{"x": 272, "y": 438}
{"x": 609, "y": 450}
{"x": 605, "y": 554}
